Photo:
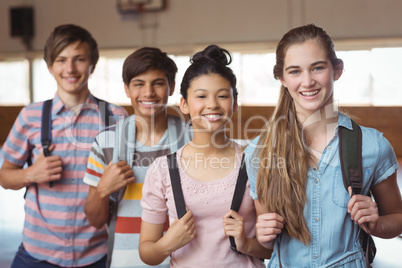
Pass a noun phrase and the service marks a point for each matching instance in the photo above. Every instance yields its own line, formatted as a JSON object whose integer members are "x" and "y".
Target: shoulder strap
{"x": 178, "y": 191}
{"x": 46, "y": 134}
{"x": 350, "y": 153}
{"x": 176, "y": 185}
{"x": 123, "y": 150}
{"x": 238, "y": 195}
{"x": 46, "y": 129}
{"x": 178, "y": 133}
{"x": 104, "y": 111}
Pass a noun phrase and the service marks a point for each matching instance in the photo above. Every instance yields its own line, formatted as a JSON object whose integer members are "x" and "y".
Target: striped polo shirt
{"x": 128, "y": 221}
{"x": 56, "y": 228}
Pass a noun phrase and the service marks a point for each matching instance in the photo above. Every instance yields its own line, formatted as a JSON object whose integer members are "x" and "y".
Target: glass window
{"x": 106, "y": 81}
{"x": 386, "y": 72}
{"x": 369, "y": 78}
{"x": 14, "y": 82}
{"x": 354, "y": 85}
{"x": 44, "y": 85}
{"x": 256, "y": 82}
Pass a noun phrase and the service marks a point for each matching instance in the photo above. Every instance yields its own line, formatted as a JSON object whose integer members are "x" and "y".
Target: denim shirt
{"x": 334, "y": 235}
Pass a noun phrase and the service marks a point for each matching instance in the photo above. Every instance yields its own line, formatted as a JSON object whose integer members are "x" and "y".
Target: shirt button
{"x": 315, "y": 219}
{"x": 329, "y": 148}
{"x": 73, "y": 181}
{"x": 70, "y": 210}
{"x": 315, "y": 256}
{"x": 316, "y": 180}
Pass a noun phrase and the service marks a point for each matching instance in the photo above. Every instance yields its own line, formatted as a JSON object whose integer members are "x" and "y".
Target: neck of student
{"x": 319, "y": 129}
{"x": 209, "y": 143}
{"x": 72, "y": 100}
{"x": 149, "y": 130}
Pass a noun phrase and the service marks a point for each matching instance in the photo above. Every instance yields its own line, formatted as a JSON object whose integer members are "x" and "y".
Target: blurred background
{"x": 367, "y": 36}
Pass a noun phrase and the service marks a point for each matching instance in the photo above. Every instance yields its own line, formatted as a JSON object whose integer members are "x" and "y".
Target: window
{"x": 14, "y": 82}
{"x": 370, "y": 77}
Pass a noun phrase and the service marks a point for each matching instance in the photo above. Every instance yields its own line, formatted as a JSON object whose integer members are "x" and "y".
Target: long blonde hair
{"x": 283, "y": 150}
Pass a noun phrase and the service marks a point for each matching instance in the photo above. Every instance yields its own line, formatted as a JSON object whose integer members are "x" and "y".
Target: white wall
{"x": 188, "y": 22}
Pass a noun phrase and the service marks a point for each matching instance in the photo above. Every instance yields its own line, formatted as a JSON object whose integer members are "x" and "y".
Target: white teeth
{"x": 212, "y": 115}
{"x": 148, "y": 102}
{"x": 309, "y": 93}
{"x": 71, "y": 78}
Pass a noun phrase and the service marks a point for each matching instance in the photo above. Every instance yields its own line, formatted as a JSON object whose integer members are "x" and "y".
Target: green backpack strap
{"x": 350, "y": 152}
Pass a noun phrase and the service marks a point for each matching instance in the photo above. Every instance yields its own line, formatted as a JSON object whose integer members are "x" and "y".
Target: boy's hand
{"x": 233, "y": 224}
{"x": 268, "y": 226}
{"x": 363, "y": 210}
{"x": 46, "y": 169}
{"x": 115, "y": 177}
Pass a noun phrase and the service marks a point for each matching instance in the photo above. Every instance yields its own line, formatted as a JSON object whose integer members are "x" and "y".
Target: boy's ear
{"x": 127, "y": 90}
{"x": 50, "y": 68}
{"x": 92, "y": 68}
{"x": 171, "y": 88}
{"x": 184, "y": 106}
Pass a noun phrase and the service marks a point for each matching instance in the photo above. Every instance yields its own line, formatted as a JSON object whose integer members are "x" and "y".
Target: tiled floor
{"x": 389, "y": 251}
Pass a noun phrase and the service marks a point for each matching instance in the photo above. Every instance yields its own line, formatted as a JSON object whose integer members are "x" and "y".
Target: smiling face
{"x": 210, "y": 102}
{"x": 71, "y": 69}
{"x": 308, "y": 75}
{"x": 149, "y": 93}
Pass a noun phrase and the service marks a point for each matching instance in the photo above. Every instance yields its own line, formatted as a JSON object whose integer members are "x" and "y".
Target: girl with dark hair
{"x": 305, "y": 213}
{"x": 208, "y": 168}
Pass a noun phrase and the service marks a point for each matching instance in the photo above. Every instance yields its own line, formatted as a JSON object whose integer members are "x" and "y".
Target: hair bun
{"x": 213, "y": 53}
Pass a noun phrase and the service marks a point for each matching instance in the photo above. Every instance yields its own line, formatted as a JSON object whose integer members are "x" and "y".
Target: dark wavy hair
{"x": 145, "y": 59}
{"x": 212, "y": 60}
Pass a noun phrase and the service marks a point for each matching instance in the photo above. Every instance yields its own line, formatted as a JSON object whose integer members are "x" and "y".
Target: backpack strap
{"x": 179, "y": 133}
{"x": 123, "y": 148}
{"x": 178, "y": 191}
{"x": 238, "y": 196}
{"x": 176, "y": 185}
{"x": 105, "y": 113}
{"x": 46, "y": 129}
{"x": 350, "y": 152}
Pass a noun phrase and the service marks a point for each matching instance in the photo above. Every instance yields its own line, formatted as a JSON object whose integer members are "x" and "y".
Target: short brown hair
{"x": 64, "y": 35}
{"x": 145, "y": 59}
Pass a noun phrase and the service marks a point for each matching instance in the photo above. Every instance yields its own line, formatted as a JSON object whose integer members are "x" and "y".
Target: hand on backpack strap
{"x": 363, "y": 210}
{"x": 115, "y": 177}
{"x": 180, "y": 233}
{"x": 45, "y": 169}
{"x": 233, "y": 225}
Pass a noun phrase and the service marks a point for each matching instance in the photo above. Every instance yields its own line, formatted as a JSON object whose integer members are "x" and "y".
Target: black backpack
{"x": 350, "y": 152}
{"x": 178, "y": 191}
{"x": 46, "y": 126}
